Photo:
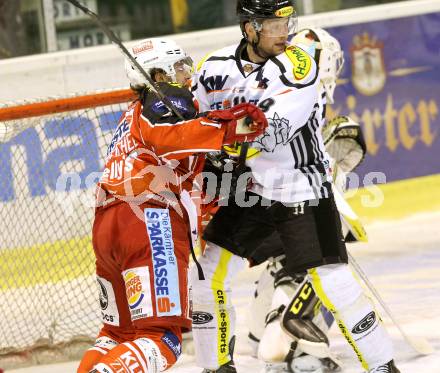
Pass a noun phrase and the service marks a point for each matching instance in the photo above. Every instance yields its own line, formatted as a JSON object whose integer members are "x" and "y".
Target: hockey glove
{"x": 244, "y": 122}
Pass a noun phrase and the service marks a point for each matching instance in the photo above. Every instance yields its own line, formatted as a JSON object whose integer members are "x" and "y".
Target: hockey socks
{"x": 91, "y": 357}
{"x": 141, "y": 355}
{"x": 355, "y": 315}
{"x": 213, "y": 313}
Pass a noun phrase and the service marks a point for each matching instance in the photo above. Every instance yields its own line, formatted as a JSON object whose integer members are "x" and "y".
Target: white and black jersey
{"x": 291, "y": 164}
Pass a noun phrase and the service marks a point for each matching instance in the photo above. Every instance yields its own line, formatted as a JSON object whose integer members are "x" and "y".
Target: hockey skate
{"x": 387, "y": 368}
{"x": 304, "y": 364}
{"x": 300, "y": 362}
{"x": 229, "y": 367}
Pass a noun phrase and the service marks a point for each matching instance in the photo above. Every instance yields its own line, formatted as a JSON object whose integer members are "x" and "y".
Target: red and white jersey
{"x": 153, "y": 153}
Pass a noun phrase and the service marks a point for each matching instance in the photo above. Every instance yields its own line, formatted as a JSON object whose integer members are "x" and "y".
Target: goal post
{"x": 51, "y": 155}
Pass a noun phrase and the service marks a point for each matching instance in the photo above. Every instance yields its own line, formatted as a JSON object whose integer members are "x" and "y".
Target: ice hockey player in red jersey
{"x": 142, "y": 231}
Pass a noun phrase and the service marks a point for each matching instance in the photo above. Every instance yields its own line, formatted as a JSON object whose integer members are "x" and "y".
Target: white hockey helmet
{"x": 159, "y": 53}
{"x": 327, "y": 53}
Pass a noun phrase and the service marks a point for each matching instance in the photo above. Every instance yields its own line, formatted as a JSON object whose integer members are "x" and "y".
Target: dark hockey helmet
{"x": 251, "y": 9}
{"x": 256, "y": 11}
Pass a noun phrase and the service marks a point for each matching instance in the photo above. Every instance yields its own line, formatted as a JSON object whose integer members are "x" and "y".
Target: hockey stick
{"x": 241, "y": 164}
{"x": 112, "y": 36}
{"x": 418, "y": 344}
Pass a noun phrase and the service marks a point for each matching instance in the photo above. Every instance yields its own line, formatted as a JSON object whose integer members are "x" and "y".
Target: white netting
{"x": 48, "y": 167}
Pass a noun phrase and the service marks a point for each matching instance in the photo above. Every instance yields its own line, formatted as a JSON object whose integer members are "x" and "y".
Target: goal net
{"x": 51, "y": 153}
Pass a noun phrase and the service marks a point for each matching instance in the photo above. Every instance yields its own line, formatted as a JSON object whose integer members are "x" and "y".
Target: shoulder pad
{"x": 301, "y": 61}
{"x": 219, "y": 54}
{"x": 203, "y": 60}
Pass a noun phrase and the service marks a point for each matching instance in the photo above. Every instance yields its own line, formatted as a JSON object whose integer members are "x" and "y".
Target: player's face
{"x": 272, "y": 46}
{"x": 272, "y": 34}
{"x": 276, "y": 27}
{"x": 183, "y": 69}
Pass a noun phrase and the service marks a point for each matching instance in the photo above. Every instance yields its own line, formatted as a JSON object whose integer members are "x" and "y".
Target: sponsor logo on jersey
{"x": 301, "y": 61}
{"x": 138, "y": 293}
{"x": 126, "y": 362}
{"x": 213, "y": 83}
{"x": 107, "y": 301}
{"x": 366, "y": 323}
{"x": 171, "y": 340}
{"x": 279, "y": 132}
{"x": 103, "y": 296}
{"x": 133, "y": 288}
{"x": 165, "y": 270}
{"x": 199, "y": 317}
{"x": 285, "y": 12}
{"x": 248, "y": 68}
{"x": 120, "y": 132}
{"x": 159, "y": 107}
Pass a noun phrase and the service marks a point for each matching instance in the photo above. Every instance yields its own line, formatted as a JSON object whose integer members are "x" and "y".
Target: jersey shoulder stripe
{"x": 222, "y": 54}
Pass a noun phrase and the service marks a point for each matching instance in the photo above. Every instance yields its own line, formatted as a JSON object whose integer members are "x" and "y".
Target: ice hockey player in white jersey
{"x": 290, "y": 195}
{"x": 271, "y": 314}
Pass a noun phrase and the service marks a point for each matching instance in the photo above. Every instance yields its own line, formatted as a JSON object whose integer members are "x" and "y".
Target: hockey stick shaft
{"x": 112, "y": 36}
{"x": 422, "y": 346}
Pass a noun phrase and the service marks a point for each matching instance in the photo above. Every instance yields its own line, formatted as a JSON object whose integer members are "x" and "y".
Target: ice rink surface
{"x": 402, "y": 260}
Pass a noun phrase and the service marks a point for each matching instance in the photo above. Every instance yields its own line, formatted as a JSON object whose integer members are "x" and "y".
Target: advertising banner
{"x": 391, "y": 86}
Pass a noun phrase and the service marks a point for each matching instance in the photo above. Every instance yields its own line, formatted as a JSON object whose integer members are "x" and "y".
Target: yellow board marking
{"x": 47, "y": 263}
{"x": 400, "y": 199}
